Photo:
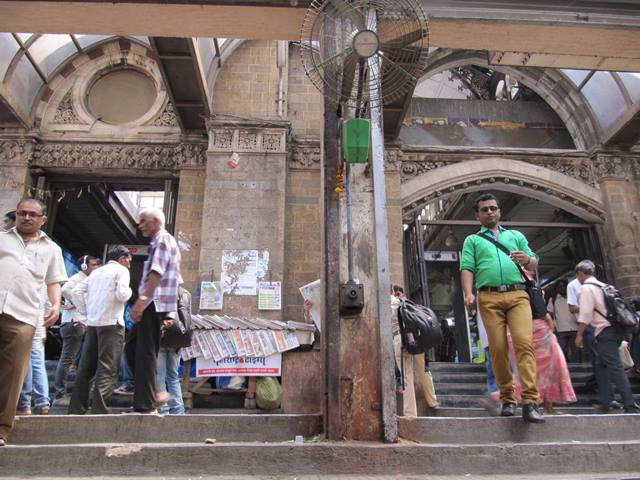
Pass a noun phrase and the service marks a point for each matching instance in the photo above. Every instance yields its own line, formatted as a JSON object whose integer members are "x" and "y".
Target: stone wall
{"x": 304, "y": 100}
{"x": 247, "y": 85}
{"x": 15, "y": 156}
{"x": 622, "y": 225}
{"x": 188, "y": 229}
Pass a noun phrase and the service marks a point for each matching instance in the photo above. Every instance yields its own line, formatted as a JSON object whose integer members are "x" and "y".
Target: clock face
{"x": 365, "y": 43}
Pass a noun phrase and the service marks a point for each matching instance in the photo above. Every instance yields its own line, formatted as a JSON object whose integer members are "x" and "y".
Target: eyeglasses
{"x": 23, "y": 213}
{"x": 492, "y": 208}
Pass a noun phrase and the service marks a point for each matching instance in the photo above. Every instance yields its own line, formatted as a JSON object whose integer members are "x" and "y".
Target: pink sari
{"x": 553, "y": 379}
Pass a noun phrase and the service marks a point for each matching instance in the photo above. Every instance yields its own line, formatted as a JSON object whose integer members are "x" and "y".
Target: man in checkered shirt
{"x": 157, "y": 304}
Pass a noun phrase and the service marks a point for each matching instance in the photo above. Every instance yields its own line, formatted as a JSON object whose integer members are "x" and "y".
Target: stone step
{"x": 455, "y": 377}
{"x": 467, "y": 400}
{"x": 323, "y": 458}
{"x": 134, "y": 428}
{"x": 479, "y": 367}
{"x": 479, "y": 389}
{"x": 478, "y": 411}
{"x": 560, "y": 429}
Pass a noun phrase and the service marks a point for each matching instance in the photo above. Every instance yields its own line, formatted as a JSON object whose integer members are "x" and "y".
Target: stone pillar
{"x": 619, "y": 182}
{"x": 15, "y": 156}
{"x": 244, "y": 206}
{"x": 188, "y": 224}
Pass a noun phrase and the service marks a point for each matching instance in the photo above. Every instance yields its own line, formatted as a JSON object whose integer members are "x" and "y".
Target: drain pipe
{"x": 281, "y": 62}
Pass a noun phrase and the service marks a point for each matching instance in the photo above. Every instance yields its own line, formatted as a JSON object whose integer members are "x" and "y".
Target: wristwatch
{"x": 144, "y": 298}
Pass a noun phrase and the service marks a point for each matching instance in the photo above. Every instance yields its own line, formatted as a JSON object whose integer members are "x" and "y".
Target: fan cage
{"x": 333, "y": 67}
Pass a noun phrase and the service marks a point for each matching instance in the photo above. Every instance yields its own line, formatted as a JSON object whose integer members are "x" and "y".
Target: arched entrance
{"x": 559, "y": 214}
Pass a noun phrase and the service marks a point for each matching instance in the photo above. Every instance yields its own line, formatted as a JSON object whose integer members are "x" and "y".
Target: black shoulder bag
{"x": 536, "y": 299}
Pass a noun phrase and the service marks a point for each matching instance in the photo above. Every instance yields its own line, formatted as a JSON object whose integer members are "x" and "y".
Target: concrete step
{"x": 479, "y": 411}
{"x": 322, "y": 458}
{"x": 134, "y": 428}
{"x": 472, "y": 400}
{"x": 480, "y": 377}
{"x": 561, "y": 429}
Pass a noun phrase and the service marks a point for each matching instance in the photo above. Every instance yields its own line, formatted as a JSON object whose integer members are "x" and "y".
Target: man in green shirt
{"x": 503, "y": 302}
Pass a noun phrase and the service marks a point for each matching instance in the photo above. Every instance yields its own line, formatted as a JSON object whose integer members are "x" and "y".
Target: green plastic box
{"x": 356, "y": 138}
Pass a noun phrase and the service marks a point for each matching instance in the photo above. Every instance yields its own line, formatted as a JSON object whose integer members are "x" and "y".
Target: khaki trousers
{"x": 426, "y": 380}
{"x": 499, "y": 311}
{"x": 15, "y": 351}
{"x": 409, "y": 407}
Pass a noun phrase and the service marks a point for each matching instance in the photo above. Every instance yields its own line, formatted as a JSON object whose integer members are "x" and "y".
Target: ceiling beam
{"x": 551, "y": 28}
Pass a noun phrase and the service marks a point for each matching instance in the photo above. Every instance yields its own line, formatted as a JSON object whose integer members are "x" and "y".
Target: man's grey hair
{"x": 587, "y": 267}
{"x": 153, "y": 212}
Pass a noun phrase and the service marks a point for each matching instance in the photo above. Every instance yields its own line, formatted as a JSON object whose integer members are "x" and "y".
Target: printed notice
{"x": 210, "y": 296}
{"x": 269, "y": 295}
{"x": 248, "y": 366}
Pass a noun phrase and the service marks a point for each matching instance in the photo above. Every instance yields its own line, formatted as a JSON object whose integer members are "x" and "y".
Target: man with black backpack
{"x": 595, "y": 311}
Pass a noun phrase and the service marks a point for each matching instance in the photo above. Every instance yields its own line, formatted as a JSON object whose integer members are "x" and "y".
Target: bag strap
{"x": 506, "y": 250}
{"x": 594, "y": 308}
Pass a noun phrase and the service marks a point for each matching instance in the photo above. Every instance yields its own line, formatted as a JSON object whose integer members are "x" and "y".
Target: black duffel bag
{"x": 178, "y": 335}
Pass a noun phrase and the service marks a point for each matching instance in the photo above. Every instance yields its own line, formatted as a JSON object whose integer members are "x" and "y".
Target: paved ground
{"x": 581, "y": 476}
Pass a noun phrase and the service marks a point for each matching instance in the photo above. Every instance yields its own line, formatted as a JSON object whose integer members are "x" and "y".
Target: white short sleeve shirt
{"x": 24, "y": 270}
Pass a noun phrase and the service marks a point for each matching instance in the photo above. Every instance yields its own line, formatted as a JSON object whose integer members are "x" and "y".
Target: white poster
{"x": 210, "y": 296}
{"x": 269, "y": 296}
{"x": 270, "y": 366}
{"x": 239, "y": 272}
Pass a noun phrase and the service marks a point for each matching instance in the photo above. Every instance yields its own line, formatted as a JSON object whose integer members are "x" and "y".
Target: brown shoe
{"x": 42, "y": 410}
{"x": 23, "y": 412}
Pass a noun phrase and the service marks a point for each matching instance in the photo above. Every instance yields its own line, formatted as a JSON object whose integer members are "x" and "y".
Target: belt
{"x": 504, "y": 288}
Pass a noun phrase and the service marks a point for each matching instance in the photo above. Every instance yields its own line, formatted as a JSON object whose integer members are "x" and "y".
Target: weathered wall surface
{"x": 247, "y": 86}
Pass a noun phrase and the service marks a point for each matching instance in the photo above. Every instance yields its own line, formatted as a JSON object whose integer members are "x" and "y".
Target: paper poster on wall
{"x": 239, "y": 272}
{"x": 262, "y": 268}
{"x": 269, "y": 296}
{"x": 249, "y": 366}
{"x": 210, "y": 296}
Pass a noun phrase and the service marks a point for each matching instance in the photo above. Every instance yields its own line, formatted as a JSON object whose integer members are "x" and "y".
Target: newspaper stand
{"x": 224, "y": 339}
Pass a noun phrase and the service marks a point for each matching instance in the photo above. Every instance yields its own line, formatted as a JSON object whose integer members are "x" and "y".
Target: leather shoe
{"x": 635, "y": 408}
{"x": 614, "y": 405}
{"x": 508, "y": 410}
{"x": 531, "y": 414}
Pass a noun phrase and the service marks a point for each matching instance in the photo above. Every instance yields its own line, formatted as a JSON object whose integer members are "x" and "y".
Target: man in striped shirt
{"x": 157, "y": 301}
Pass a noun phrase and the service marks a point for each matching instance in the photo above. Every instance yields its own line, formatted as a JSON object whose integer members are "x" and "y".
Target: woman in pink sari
{"x": 552, "y": 374}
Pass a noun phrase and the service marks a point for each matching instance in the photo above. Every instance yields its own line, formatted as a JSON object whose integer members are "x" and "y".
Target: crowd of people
{"x": 91, "y": 306}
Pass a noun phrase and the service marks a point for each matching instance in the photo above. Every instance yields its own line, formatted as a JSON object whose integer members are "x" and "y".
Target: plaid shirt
{"x": 164, "y": 259}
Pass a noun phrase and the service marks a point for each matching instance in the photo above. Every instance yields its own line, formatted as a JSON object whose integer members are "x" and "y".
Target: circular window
{"x": 121, "y": 96}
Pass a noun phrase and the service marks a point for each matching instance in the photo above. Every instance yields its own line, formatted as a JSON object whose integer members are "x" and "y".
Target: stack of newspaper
{"x": 220, "y": 337}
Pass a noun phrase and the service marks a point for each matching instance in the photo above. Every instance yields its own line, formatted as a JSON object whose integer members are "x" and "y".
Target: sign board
{"x": 138, "y": 250}
{"x": 270, "y": 366}
{"x": 440, "y": 256}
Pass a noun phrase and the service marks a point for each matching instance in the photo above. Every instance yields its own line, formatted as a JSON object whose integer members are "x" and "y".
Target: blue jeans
{"x": 126, "y": 377}
{"x": 36, "y": 385}
{"x": 609, "y": 368}
{"x": 492, "y": 386}
{"x": 168, "y": 379}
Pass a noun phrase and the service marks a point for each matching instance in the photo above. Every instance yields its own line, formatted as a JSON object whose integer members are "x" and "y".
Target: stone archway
{"x": 545, "y": 184}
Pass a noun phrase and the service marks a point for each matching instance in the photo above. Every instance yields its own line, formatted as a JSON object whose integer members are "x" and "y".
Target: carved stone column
{"x": 619, "y": 182}
{"x": 15, "y": 157}
{"x": 244, "y": 204}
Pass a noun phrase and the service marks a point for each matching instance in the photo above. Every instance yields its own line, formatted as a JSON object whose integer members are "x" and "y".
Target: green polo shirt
{"x": 490, "y": 265}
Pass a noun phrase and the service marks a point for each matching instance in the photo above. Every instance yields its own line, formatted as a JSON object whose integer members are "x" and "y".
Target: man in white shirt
{"x": 29, "y": 260}
{"x": 593, "y": 312}
{"x": 106, "y": 292}
{"x": 565, "y": 322}
{"x": 72, "y": 324}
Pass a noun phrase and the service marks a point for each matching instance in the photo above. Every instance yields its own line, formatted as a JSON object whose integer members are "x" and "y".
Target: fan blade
{"x": 395, "y": 65}
{"x": 346, "y": 51}
{"x": 349, "y": 12}
{"x": 348, "y": 75}
{"x": 405, "y": 40}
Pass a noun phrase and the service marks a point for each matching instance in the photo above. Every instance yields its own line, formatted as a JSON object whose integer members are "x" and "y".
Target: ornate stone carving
{"x": 65, "y": 114}
{"x": 612, "y": 166}
{"x": 305, "y": 156}
{"x": 167, "y": 118}
{"x": 271, "y": 142}
{"x": 247, "y": 141}
{"x": 221, "y": 139}
{"x": 393, "y": 159}
{"x": 91, "y": 155}
{"x": 16, "y": 151}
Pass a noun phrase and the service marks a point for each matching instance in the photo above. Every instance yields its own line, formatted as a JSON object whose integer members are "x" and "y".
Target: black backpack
{"x": 419, "y": 327}
{"x": 179, "y": 334}
{"x": 619, "y": 315}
